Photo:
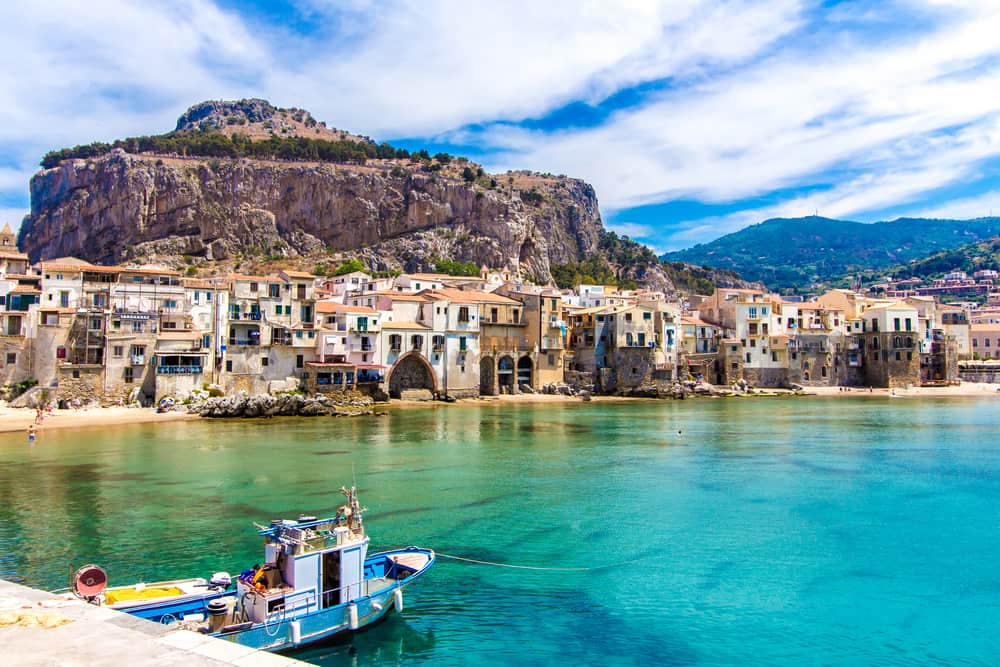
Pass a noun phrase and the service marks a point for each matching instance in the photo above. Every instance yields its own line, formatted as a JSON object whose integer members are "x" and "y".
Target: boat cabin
{"x": 310, "y": 565}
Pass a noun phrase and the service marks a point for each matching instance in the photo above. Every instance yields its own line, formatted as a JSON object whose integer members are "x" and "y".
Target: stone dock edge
{"x": 40, "y": 628}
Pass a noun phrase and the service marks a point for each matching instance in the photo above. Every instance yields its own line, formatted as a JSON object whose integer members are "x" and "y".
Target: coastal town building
{"x": 124, "y": 334}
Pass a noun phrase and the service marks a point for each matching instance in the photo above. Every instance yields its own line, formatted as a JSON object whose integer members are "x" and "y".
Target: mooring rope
{"x": 537, "y": 567}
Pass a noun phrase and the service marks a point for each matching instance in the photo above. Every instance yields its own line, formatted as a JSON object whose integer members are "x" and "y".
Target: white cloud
{"x": 981, "y": 205}
{"x": 632, "y": 229}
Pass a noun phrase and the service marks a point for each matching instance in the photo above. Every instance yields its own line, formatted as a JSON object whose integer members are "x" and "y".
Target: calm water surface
{"x": 848, "y": 531}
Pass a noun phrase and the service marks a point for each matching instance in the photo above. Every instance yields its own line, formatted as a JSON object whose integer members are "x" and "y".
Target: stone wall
{"x": 766, "y": 377}
{"x": 881, "y": 368}
{"x": 81, "y": 382}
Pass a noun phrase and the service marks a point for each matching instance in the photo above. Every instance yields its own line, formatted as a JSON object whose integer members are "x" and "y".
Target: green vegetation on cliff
{"x": 218, "y": 145}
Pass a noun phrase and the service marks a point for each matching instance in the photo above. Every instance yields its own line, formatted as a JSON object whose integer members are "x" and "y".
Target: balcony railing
{"x": 138, "y": 360}
{"x": 244, "y": 341}
{"x": 178, "y": 370}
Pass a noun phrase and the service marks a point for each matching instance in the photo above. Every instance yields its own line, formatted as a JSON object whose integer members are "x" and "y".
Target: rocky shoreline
{"x": 283, "y": 405}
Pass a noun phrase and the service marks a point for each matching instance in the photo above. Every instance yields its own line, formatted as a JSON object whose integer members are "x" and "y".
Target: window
{"x": 895, "y": 324}
{"x": 986, "y": 342}
{"x": 118, "y": 350}
{"x": 264, "y": 361}
{"x": 395, "y": 342}
{"x": 167, "y": 303}
{"x": 416, "y": 342}
{"x": 129, "y": 375}
{"x": 277, "y": 309}
{"x": 60, "y": 352}
{"x": 908, "y": 325}
{"x": 463, "y": 314}
{"x": 229, "y": 365}
{"x": 273, "y": 290}
{"x": 753, "y": 342}
{"x": 748, "y": 357}
{"x": 822, "y": 371}
{"x": 752, "y": 313}
{"x": 774, "y": 355}
{"x": 137, "y": 350}
{"x": 909, "y": 356}
{"x": 552, "y": 357}
{"x": 899, "y": 355}
{"x": 95, "y": 324}
{"x": 462, "y": 343}
{"x": 12, "y": 357}
{"x": 288, "y": 310}
{"x": 299, "y": 361}
{"x": 628, "y": 317}
{"x": 253, "y": 287}
{"x": 169, "y": 325}
{"x": 554, "y": 306}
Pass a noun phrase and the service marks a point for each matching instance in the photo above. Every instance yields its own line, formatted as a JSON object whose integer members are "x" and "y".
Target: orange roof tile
{"x": 463, "y": 296}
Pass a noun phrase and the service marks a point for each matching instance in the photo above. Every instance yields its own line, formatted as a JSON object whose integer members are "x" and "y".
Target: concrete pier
{"x": 39, "y": 628}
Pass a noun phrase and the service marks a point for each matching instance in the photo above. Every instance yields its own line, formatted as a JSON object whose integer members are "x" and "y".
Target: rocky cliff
{"x": 394, "y": 213}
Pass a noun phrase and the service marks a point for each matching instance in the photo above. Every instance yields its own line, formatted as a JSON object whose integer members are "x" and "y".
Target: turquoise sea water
{"x": 771, "y": 531}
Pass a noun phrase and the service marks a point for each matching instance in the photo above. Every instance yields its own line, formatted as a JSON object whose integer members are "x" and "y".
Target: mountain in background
{"x": 789, "y": 253}
{"x": 971, "y": 257}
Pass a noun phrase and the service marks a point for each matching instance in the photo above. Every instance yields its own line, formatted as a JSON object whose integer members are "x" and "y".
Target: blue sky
{"x": 691, "y": 118}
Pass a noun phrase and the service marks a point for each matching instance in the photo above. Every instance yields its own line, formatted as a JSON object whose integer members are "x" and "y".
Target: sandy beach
{"x": 19, "y": 419}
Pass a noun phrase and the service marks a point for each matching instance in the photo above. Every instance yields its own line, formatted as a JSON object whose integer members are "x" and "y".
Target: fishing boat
{"x": 317, "y": 581}
{"x": 161, "y": 601}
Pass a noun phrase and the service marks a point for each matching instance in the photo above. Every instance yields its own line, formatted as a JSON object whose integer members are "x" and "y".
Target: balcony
{"x": 138, "y": 360}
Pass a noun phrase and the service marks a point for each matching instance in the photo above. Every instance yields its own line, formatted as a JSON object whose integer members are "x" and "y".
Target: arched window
{"x": 822, "y": 371}
{"x": 909, "y": 341}
{"x": 897, "y": 341}
{"x": 628, "y": 339}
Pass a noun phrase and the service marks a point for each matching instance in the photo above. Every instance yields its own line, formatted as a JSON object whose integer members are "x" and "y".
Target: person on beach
{"x": 39, "y": 415}
{"x": 31, "y": 433}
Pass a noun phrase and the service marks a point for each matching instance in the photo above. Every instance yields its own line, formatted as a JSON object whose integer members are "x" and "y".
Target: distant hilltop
{"x": 239, "y": 180}
{"x": 796, "y": 252}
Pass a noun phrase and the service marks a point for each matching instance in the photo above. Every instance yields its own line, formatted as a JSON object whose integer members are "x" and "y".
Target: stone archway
{"x": 411, "y": 371}
{"x": 505, "y": 374}
{"x": 487, "y": 376}
{"x": 525, "y": 371}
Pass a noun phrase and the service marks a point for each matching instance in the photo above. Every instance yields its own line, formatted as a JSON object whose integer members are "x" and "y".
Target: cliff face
{"x": 122, "y": 207}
